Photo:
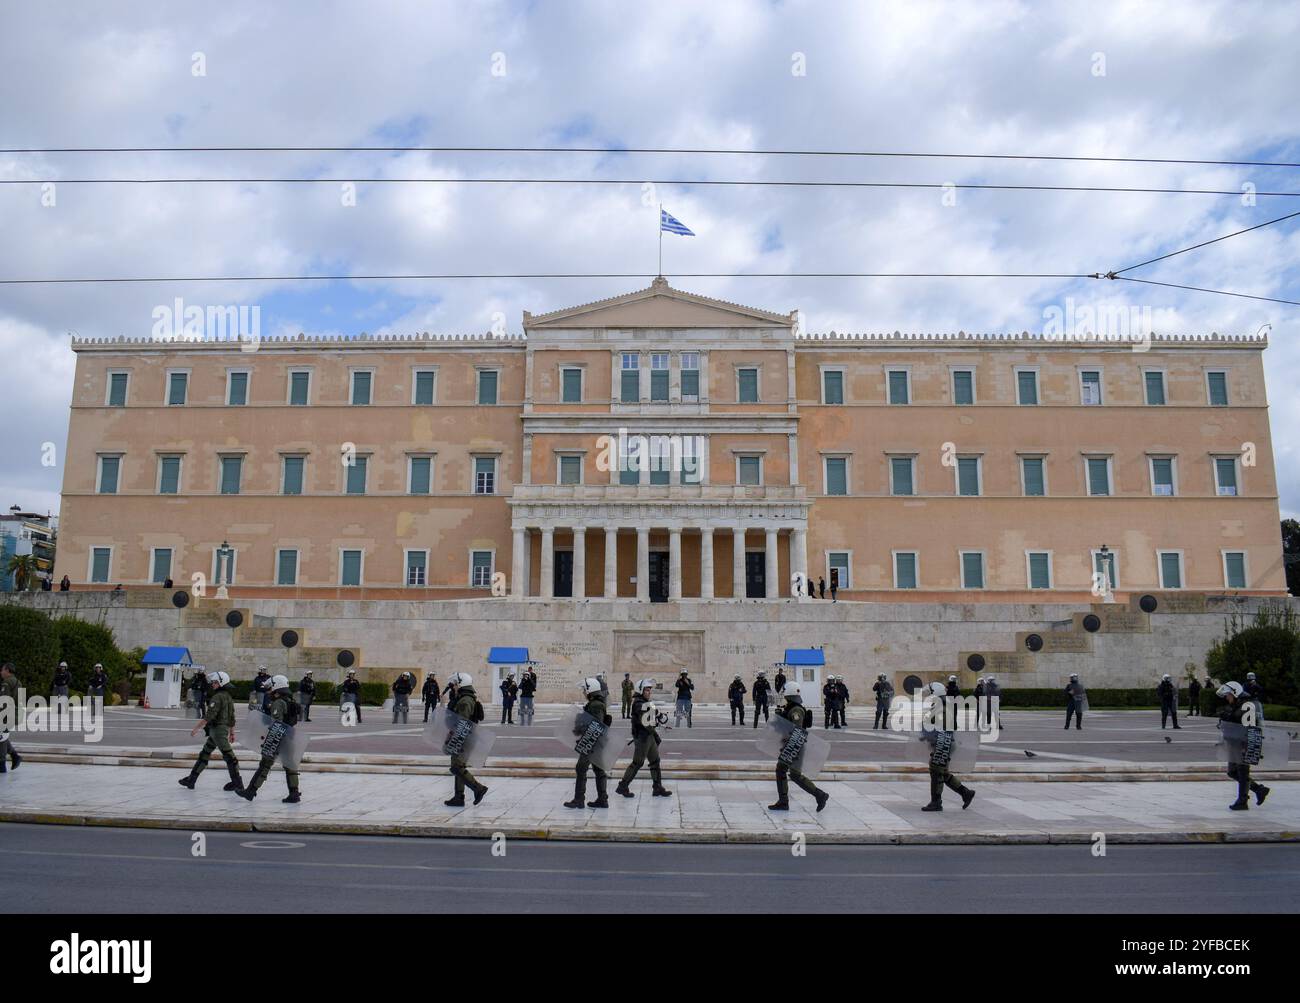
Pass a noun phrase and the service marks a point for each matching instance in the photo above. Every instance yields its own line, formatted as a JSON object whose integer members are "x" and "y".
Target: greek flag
{"x": 673, "y": 225}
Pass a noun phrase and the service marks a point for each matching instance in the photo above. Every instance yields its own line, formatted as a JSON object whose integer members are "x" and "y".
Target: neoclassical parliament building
{"x": 664, "y": 446}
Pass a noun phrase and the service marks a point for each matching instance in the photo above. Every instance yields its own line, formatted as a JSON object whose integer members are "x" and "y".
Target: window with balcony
{"x": 571, "y": 469}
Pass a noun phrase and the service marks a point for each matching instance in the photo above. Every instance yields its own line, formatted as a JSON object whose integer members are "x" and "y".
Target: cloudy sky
{"x": 1187, "y": 80}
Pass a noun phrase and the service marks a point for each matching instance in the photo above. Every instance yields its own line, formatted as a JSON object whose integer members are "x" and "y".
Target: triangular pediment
{"x": 657, "y": 306}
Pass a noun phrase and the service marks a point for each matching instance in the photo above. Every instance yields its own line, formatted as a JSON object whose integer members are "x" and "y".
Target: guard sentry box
{"x": 1269, "y": 748}
{"x": 798, "y": 748}
{"x": 453, "y": 735}
{"x": 586, "y": 736}
{"x": 278, "y": 740}
{"x": 954, "y": 751}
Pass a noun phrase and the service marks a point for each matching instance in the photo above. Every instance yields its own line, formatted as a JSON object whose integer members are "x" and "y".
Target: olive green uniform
{"x": 797, "y": 714}
{"x": 220, "y": 718}
{"x": 9, "y": 688}
{"x": 941, "y": 777}
{"x": 464, "y": 706}
{"x": 645, "y": 747}
{"x": 598, "y": 709}
{"x": 628, "y": 691}
{"x": 278, "y": 710}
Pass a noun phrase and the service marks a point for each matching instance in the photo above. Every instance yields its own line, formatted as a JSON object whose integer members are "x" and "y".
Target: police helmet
{"x": 1250, "y": 677}
{"x": 221, "y": 679}
{"x": 645, "y": 684}
{"x": 1230, "y": 690}
{"x": 791, "y": 690}
{"x": 461, "y": 679}
{"x": 937, "y": 689}
{"x": 952, "y": 679}
{"x": 590, "y": 686}
{"x": 279, "y": 683}
{"x": 1074, "y": 675}
{"x": 1166, "y": 676}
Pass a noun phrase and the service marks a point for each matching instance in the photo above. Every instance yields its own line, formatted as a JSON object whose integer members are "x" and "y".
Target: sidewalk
{"x": 879, "y": 811}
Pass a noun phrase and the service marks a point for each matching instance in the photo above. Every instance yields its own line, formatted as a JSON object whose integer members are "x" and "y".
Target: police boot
{"x": 967, "y": 796}
{"x": 1261, "y": 792}
{"x": 1243, "y": 796}
{"x": 480, "y": 791}
{"x": 623, "y": 789}
{"x": 782, "y": 796}
{"x": 236, "y": 783}
{"x": 659, "y": 790}
{"x": 293, "y": 798}
{"x": 249, "y": 792}
{"x": 186, "y": 781}
{"x": 579, "y": 795}
{"x": 457, "y": 800}
{"x": 602, "y": 801}
{"x": 936, "y": 796}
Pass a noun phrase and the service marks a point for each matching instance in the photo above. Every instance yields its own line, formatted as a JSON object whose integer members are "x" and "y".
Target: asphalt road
{"x": 1107, "y": 736}
{"x": 56, "y": 869}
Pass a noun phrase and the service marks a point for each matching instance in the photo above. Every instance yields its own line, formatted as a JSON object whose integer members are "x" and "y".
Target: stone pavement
{"x": 880, "y": 811}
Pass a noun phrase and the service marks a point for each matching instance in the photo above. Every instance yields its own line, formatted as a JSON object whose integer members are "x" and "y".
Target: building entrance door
{"x": 658, "y": 576}
{"x": 756, "y": 575}
{"x": 563, "y": 574}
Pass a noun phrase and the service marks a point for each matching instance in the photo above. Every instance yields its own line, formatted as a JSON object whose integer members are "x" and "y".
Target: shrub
{"x": 1271, "y": 651}
{"x": 82, "y": 644}
{"x": 29, "y": 640}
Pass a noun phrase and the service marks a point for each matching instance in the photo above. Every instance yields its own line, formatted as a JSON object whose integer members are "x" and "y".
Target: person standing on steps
{"x": 283, "y": 709}
{"x": 736, "y": 699}
{"x": 884, "y": 691}
{"x": 527, "y": 689}
{"x": 219, "y": 724}
{"x": 1235, "y": 712}
{"x": 1168, "y": 694}
{"x": 306, "y": 693}
{"x": 463, "y": 701}
{"x": 683, "y": 708}
{"x": 821, "y": 588}
{"x": 1074, "y": 701}
{"x": 646, "y": 719}
{"x": 793, "y": 710}
{"x": 760, "y": 693}
{"x": 430, "y": 694}
{"x": 941, "y": 742}
{"x": 628, "y": 692}
{"x": 597, "y": 708}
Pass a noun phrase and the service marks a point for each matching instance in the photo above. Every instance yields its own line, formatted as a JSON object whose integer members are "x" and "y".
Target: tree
{"x": 23, "y": 568}
{"x": 29, "y": 640}
{"x": 1291, "y": 554}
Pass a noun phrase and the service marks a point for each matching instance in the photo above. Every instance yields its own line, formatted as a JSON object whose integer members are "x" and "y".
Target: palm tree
{"x": 23, "y": 568}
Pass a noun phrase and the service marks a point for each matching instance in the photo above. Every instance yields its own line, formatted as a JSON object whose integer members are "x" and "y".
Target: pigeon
{"x": 1168, "y": 740}
{"x": 1029, "y": 755}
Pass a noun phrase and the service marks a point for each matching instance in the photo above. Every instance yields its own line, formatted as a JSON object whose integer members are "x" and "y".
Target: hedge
{"x": 82, "y": 644}
{"x": 28, "y": 639}
{"x": 372, "y": 694}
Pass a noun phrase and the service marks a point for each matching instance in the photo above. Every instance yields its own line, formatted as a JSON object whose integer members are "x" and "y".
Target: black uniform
{"x": 759, "y": 692}
{"x": 262, "y": 690}
{"x": 979, "y": 703}
{"x": 1240, "y": 772}
{"x": 1254, "y": 691}
{"x": 351, "y": 690}
{"x": 1074, "y": 694}
{"x": 684, "y": 703}
{"x": 1168, "y": 694}
{"x": 736, "y": 698}
{"x": 430, "y": 694}
{"x": 842, "y": 692}
{"x": 884, "y": 691}
{"x": 794, "y": 712}
{"x": 1193, "y": 699}
{"x": 97, "y": 687}
{"x": 306, "y": 694}
{"x": 830, "y": 715}
{"x": 509, "y": 691}
{"x": 779, "y": 682}
{"x": 402, "y": 687}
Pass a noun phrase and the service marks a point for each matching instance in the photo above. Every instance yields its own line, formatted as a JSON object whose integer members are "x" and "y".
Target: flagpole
{"x": 661, "y": 240}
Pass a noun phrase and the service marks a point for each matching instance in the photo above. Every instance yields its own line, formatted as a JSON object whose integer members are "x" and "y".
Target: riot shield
{"x": 1267, "y": 748}
{"x": 955, "y": 751}
{"x": 798, "y": 748}
{"x": 584, "y": 734}
{"x": 453, "y": 735}
{"x": 275, "y": 739}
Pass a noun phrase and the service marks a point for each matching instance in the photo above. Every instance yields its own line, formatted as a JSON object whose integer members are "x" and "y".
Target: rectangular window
{"x": 1162, "y": 475}
{"x": 286, "y": 567}
{"x": 1040, "y": 570}
{"x": 101, "y": 559}
{"x": 1098, "y": 475}
{"x": 356, "y": 477}
{"x": 1234, "y": 569}
{"x": 905, "y": 571}
{"x": 832, "y": 387}
{"x": 691, "y": 466}
{"x": 177, "y": 387}
{"x": 481, "y": 569}
{"x": 350, "y": 567}
{"x": 162, "y": 565}
{"x": 232, "y": 467}
{"x": 1171, "y": 569}
{"x": 747, "y": 386}
{"x": 690, "y": 363}
{"x": 117, "y": 389}
{"x": 487, "y": 386}
{"x": 1225, "y": 475}
{"x": 899, "y": 392}
{"x": 1217, "y": 388}
{"x": 749, "y": 470}
{"x": 1090, "y": 386}
{"x": 1111, "y": 568}
{"x": 901, "y": 481}
{"x": 571, "y": 392}
{"x": 236, "y": 389}
{"x": 837, "y": 564}
{"x": 291, "y": 479}
{"x": 629, "y": 459}
{"x": 1155, "y": 387}
{"x": 1031, "y": 468}
{"x": 420, "y": 475}
{"x": 361, "y": 381}
{"x": 1026, "y": 387}
{"x": 661, "y": 460}
{"x": 485, "y": 475}
{"x": 837, "y": 475}
{"x": 968, "y": 475}
{"x": 963, "y": 386}
{"x": 169, "y": 475}
{"x": 659, "y": 376}
{"x": 423, "y": 389}
{"x": 299, "y": 387}
{"x": 972, "y": 570}
{"x": 108, "y": 470}
{"x": 570, "y": 469}
{"x": 630, "y": 379}
{"x": 416, "y": 561}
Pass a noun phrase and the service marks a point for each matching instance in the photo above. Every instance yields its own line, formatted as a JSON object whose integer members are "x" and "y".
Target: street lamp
{"x": 224, "y": 554}
{"x": 1107, "y": 571}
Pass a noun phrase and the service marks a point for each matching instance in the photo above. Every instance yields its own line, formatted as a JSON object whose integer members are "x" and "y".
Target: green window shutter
{"x": 162, "y": 565}
{"x": 661, "y": 467}
{"x": 837, "y": 481}
{"x": 293, "y": 468}
{"x": 108, "y": 469}
{"x": 360, "y": 389}
{"x": 833, "y": 387}
{"x": 1098, "y": 476}
{"x": 1235, "y": 567}
{"x": 963, "y": 388}
{"x": 423, "y": 389}
{"x": 898, "y": 388}
{"x": 905, "y": 568}
{"x": 231, "y": 468}
{"x": 690, "y": 383}
{"x": 351, "y": 567}
{"x": 1033, "y": 471}
{"x": 357, "y": 476}
{"x": 1162, "y": 474}
{"x": 1226, "y": 469}
{"x": 968, "y": 475}
{"x": 659, "y": 384}
{"x": 117, "y": 390}
{"x": 748, "y": 388}
{"x": 572, "y": 386}
{"x": 481, "y": 576}
{"x": 298, "y": 385}
{"x": 169, "y": 479}
{"x": 177, "y": 385}
{"x": 421, "y": 468}
{"x": 901, "y": 474}
{"x": 750, "y": 470}
{"x": 1027, "y": 388}
{"x": 287, "y": 568}
{"x": 570, "y": 469}
{"x": 416, "y": 567}
{"x": 1171, "y": 572}
{"x": 487, "y": 387}
{"x": 630, "y": 386}
{"x": 238, "y": 389}
{"x": 1155, "y": 383}
{"x": 1218, "y": 389}
{"x": 972, "y": 571}
{"x": 1039, "y": 572}
{"x": 100, "y": 557}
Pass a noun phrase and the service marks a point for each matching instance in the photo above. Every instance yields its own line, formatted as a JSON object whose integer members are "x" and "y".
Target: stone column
{"x": 799, "y": 556}
{"x": 643, "y": 563}
{"x": 579, "y": 563}
{"x": 675, "y": 563}
{"x": 518, "y": 564}
{"x": 706, "y": 563}
{"x": 738, "y": 563}
{"x": 770, "y": 572}
{"x": 548, "y": 563}
{"x": 611, "y": 562}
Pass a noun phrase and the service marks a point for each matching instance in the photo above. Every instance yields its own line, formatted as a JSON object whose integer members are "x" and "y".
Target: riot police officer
{"x": 736, "y": 699}
{"x": 463, "y": 701}
{"x": 1236, "y": 699}
{"x": 1168, "y": 694}
{"x": 97, "y": 687}
{"x": 884, "y": 691}
{"x": 1074, "y": 695}
{"x": 62, "y": 680}
{"x": 979, "y": 702}
{"x": 646, "y": 718}
{"x": 842, "y": 692}
{"x": 527, "y": 687}
{"x": 830, "y": 697}
{"x": 261, "y": 692}
{"x": 1252, "y": 688}
{"x": 306, "y": 693}
{"x": 759, "y": 692}
{"x": 793, "y": 710}
{"x": 402, "y": 687}
{"x": 779, "y": 682}
{"x": 992, "y": 693}
{"x": 283, "y": 709}
{"x": 430, "y": 694}
{"x": 952, "y": 690}
{"x": 940, "y": 775}
{"x": 1194, "y": 698}
{"x": 598, "y": 709}
{"x": 219, "y": 724}
{"x": 683, "y": 708}
{"x": 350, "y": 692}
